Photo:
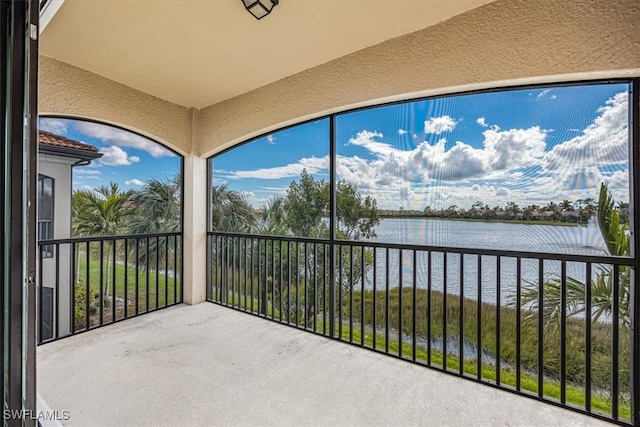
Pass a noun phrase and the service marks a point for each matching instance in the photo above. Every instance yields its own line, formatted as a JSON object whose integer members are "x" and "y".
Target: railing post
{"x": 634, "y": 135}
{"x": 332, "y": 225}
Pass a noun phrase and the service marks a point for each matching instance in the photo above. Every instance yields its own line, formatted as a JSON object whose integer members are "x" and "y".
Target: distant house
{"x": 57, "y": 156}
{"x": 569, "y": 216}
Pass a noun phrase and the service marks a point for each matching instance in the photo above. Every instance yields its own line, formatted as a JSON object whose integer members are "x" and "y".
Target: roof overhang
{"x": 82, "y": 155}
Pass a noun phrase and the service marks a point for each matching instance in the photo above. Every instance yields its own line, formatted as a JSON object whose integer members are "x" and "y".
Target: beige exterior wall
{"x": 59, "y": 168}
{"x": 66, "y": 90}
{"x": 506, "y": 42}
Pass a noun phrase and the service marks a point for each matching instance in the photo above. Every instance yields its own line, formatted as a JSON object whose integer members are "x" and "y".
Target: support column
{"x": 195, "y": 229}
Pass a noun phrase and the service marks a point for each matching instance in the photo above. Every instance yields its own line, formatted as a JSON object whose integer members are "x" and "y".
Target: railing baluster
{"x": 137, "y": 275}
{"x": 518, "y": 321}
{"x": 266, "y": 278}
{"x": 350, "y": 293}
{"x": 445, "y": 274}
{"x": 306, "y": 289}
{"x": 87, "y": 288}
{"x": 253, "y": 248}
{"x": 375, "y": 297}
{"x": 273, "y": 279}
{"x": 540, "y": 328}
{"x": 166, "y": 271}
{"x": 40, "y": 295}
{"x": 413, "y": 306}
{"x": 400, "y": 303}
{"x": 232, "y": 266}
{"x": 315, "y": 286}
{"x": 498, "y": 323}
{"x": 362, "y": 295}
{"x": 615, "y": 347}
{"x": 325, "y": 252}
{"x": 101, "y": 281}
{"x": 289, "y": 283}
{"x": 461, "y": 319}
{"x": 297, "y": 279}
{"x": 479, "y": 322}
{"x": 587, "y": 341}
{"x": 340, "y": 308}
{"x": 175, "y": 271}
{"x": 74, "y": 279}
{"x": 386, "y": 301}
{"x": 147, "y": 269}
{"x": 126, "y": 278}
{"x": 429, "y": 284}
{"x": 113, "y": 281}
{"x": 281, "y": 278}
{"x": 57, "y": 291}
{"x": 563, "y": 332}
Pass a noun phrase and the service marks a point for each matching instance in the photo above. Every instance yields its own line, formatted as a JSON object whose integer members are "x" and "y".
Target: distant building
{"x": 57, "y": 155}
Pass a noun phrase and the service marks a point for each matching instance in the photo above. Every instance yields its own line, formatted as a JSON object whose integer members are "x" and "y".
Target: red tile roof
{"x": 50, "y": 139}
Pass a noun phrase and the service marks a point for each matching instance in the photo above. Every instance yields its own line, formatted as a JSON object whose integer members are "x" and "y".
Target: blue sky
{"x": 530, "y": 146}
{"x": 128, "y": 158}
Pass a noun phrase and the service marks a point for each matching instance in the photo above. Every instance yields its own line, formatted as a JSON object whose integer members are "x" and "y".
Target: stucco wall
{"x": 59, "y": 168}
{"x": 70, "y": 91}
{"x": 506, "y": 42}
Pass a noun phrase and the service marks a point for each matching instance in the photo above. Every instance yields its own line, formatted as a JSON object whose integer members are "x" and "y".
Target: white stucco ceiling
{"x": 196, "y": 53}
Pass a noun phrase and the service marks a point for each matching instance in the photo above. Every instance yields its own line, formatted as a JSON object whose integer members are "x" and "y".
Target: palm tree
{"x": 272, "y": 219}
{"x": 157, "y": 210}
{"x": 566, "y": 205}
{"x": 230, "y": 211}
{"x": 618, "y": 244}
{"x": 103, "y": 211}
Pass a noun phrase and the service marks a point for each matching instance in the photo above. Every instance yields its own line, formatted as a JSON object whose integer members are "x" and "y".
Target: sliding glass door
{"x": 18, "y": 114}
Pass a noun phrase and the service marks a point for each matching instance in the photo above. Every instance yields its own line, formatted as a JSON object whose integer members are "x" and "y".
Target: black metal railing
{"x": 521, "y": 321}
{"x": 86, "y": 283}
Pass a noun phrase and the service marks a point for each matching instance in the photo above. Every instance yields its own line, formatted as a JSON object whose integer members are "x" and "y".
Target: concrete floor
{"x": 209, "y": 365}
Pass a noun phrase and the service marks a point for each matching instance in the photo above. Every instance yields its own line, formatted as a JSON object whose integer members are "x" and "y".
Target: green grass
{"x": 154, "y": 290}
{"x": 575, "y": 356}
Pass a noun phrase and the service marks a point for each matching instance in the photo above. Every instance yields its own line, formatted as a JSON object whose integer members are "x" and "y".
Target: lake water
{"x": 585, "y": 240}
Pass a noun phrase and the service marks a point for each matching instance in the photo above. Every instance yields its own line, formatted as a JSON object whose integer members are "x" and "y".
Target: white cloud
{"x": 271, "y": 139}
{"x": 401, "y": 132}
{"x": 116, "y": 156}
{"x": 56, "y": 126}
{"x": 86, "y": 171}
{"x": 313, "y": 165}
{"x": 121, "y": 138}
{"x": 553, "y": 97}
{"x": 543, "y": 93}
{"x": 135, "y": 182}
{"x": 437, "y": 125}
{"x": 509, "y": 165}
{"x": 603, "y": 142}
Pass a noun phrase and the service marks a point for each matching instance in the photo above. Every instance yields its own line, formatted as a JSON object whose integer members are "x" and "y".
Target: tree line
{"x": 580, "y": 210}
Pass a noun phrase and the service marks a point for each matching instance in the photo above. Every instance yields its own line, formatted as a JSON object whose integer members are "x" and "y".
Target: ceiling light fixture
{"x": 259, "y": 8}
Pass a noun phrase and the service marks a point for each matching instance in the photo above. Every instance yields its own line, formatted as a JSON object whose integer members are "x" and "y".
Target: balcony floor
{"x": 206, "y": 364}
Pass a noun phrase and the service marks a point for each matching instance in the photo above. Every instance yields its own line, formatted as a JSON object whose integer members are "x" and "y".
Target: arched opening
{"x": 112, "y": 246}
{"x": 481, "y": 233}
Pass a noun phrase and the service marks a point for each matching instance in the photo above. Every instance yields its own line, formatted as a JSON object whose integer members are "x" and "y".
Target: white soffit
{"x": 198, "y": 53}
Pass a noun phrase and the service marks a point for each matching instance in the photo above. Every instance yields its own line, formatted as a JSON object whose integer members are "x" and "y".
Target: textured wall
{"x": 522, "y": 40}
{"x": 70, "y": 91}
